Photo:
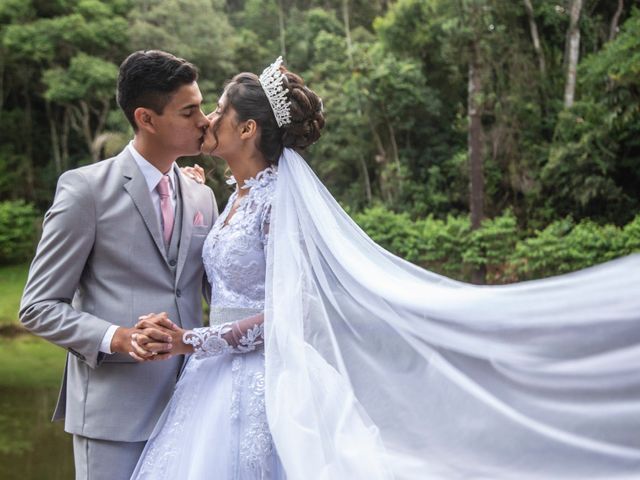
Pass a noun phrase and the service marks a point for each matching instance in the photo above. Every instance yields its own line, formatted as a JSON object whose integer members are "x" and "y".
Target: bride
{"x": 329, "y": 358}
{"x": 216, "y": 424}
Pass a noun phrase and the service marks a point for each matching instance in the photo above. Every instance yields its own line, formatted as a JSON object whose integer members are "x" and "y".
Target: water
{"x": 31, "y": 446}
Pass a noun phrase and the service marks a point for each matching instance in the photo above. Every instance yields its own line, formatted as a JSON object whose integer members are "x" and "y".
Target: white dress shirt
{"x": 152, "y": 176}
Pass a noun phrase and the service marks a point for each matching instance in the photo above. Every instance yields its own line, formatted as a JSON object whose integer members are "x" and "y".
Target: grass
{"x": 12, "y": 280}
{"x": 27, "y": 361}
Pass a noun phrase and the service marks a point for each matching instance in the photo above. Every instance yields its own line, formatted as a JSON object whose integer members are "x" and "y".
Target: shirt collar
{"x": 151, "y": 174}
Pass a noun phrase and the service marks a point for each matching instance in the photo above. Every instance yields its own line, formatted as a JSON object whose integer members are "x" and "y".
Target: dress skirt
{"x": 215, "y": 425}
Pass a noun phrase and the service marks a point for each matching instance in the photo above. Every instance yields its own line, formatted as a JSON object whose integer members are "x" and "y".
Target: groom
{"x": 124, "y": 237}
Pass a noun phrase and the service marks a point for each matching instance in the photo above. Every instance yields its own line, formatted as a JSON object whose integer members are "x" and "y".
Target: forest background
{"x": 489, "y": 140}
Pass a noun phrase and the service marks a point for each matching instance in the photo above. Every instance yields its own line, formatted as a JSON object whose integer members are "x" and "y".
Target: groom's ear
{"x": 144, "y": 119}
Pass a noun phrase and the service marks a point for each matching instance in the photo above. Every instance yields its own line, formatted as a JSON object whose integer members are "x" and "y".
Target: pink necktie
{"x": 166, "y": 208}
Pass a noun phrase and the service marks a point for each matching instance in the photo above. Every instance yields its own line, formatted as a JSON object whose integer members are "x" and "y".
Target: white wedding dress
{"x": 215, "y": 425}
{"x": 376, "y": 369}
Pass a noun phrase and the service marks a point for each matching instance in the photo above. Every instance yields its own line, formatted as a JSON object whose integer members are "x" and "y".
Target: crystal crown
{"x": 271, "y": 81}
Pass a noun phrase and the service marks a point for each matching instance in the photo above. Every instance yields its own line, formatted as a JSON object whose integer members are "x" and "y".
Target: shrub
{"x": 395, "y": 232}
{"x": 630, "y": 239}
{"x": 450, "y": 247}
{"x": 492, "y": 245}
{"x": 565, "y": 247}
{"x": 18, "y": 231}
{"x": 443, "y": 244}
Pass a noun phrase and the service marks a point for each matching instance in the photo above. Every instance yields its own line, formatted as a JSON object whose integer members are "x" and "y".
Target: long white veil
{"x": 378, "y": 369}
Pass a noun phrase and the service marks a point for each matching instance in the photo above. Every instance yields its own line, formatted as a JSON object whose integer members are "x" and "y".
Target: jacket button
{"x": 172, "y": 263}
{"x": 178, "y": 293}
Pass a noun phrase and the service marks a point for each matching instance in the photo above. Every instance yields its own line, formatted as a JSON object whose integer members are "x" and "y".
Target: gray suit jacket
{"x": 102, "y": 261}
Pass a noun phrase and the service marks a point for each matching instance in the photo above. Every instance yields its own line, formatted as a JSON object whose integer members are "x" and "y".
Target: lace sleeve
{"x": 243, "y": 336}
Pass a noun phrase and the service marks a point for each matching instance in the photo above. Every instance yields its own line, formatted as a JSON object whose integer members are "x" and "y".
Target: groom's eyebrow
{"x": 193, "y": 105}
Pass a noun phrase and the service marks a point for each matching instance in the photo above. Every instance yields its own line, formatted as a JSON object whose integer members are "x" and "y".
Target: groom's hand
{"x": 153, "y": 338}
{"x": 156, "y": 327}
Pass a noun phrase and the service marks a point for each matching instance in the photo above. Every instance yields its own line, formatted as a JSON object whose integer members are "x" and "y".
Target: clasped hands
{"x": 154, "y": 337}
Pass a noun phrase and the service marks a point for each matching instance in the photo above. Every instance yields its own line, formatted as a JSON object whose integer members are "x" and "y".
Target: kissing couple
{"x": 325, "y": 357}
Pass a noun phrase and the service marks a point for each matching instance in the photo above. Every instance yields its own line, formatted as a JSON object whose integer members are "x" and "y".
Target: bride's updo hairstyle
{"x": 245, "y": 94}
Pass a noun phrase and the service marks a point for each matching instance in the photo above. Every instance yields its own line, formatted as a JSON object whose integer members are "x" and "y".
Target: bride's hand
{"x": 153, "y": 338}
{"x": 195, "y": 173}
{"x": 140, "y": 344}
{"x": 145, "y": 341}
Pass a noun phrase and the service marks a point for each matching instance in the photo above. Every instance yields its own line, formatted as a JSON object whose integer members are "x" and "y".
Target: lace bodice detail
{"x": 235, "y": 249}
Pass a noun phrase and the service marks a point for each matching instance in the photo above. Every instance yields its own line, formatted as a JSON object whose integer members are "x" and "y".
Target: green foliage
{"x": 580, "y": 176}
{"x": 310, "y": 35}
{"x": 18, "y": 221}
{"x": 565, "y": 247}
{"x": 407, "y": 26}
{"x": 594, "y": 165}
{"x": 11, "y": 169}
{"x": 44, "y": 39}
{"x": 443, "y": 243}
{"x": 491, "y": 246}
{"x": 393, "y": 231}
{"x": 618, "y": 61}
{"x": 450, "y": 246}
{"x": 86, "y": 78}
{"x": 12, "y": 10}
{"x": 630, "y": 241}
{"x": 12, "y": 281}
{"x": 446, "y": 246}
{"x": 394, "y": 81}
{"x": 197, "y": 30}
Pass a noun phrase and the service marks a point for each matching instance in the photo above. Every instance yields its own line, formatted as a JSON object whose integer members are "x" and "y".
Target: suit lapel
{"x": 188, "y": 213}
{"x": 137, "y": 188}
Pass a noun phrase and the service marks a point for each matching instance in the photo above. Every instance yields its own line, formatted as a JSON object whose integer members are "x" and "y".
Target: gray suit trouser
{"x": 104, "y": 459}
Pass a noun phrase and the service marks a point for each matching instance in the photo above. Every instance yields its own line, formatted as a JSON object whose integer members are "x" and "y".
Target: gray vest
{"x": 174, "y": 245}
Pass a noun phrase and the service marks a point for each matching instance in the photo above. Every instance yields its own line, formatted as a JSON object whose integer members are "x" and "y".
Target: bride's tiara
{"x": 271, "y": 81}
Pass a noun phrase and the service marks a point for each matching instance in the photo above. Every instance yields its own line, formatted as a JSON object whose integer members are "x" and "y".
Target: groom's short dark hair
{"x": 147, "y": 78}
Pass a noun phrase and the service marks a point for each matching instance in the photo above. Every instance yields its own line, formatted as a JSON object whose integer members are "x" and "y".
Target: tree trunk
{"x": 2, "y": 56}
{"x": 476, "y": 173}
{"x": 535, "y": 37}
{"x": 394, "y": 143}
{"x": 361, "y": 161}
{"x": 55, "y": 138}
{"x": 283, "y": 47}
{"x": 28, "y": 132}
{"x": 96, "y": 145}
{"x": 81, "y": 122}
{"x": 365, "y": 177}
{"x": 64, "y": 140}
{"x": 382, "y": 153}
{"x": 613, "y": 30}
{"x": 382, "y": 159}
{"x": 573, "y": 52}
{"x": 85, "y": 123}
{"x": 347, "y": 30}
